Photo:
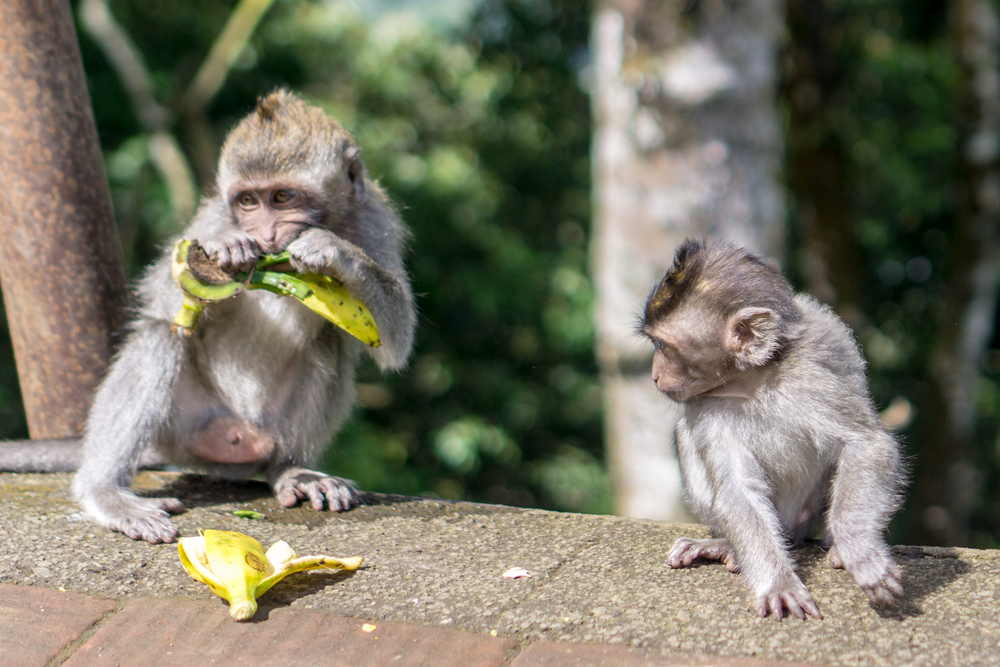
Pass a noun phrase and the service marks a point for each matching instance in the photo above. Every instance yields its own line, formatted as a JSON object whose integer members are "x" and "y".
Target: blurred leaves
{"x": 479, "y": 130}
{"x": 876, "y": 97}
{"x": 480, "y": 133}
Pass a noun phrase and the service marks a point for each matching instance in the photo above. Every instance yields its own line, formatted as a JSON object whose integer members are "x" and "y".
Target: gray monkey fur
{"x": 786, "y": 440}
{"x": 265, "y": 360}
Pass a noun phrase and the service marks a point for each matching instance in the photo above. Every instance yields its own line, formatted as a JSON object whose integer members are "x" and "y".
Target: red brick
{"x": 551, "y": 654}
{"x": 167, "y": 632}
{"x": 37, "y": 623}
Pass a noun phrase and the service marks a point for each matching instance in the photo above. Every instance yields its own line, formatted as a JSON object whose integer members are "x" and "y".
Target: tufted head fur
{"x": 287, "y": 136}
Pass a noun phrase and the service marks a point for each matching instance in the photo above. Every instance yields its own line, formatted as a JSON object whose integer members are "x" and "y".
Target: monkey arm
{"x": 129, "y": 412}
{"x": 744, "y": 513}
{"x": 386, "y": 292}
{"x": 697, "y": 487}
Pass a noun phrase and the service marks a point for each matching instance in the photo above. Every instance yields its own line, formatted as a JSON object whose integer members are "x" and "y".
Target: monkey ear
{"x": 355, "y": 172}
{"x": 752, "y": 335}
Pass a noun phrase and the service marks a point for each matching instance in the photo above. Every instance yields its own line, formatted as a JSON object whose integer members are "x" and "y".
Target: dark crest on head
{"x": 722, "y": 278}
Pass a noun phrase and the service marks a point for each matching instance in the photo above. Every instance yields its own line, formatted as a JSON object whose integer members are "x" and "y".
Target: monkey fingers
{"x": 233, "y": 250}
{"x": 686, "y": 551}
{"x": 793, "y": 597}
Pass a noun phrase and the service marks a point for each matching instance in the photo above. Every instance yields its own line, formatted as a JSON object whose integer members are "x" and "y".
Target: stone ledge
{"x": 595, "y": 580}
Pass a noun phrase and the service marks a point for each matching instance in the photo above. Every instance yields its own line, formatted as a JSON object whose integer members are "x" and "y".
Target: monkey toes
{"x": 321, "y": 490}
{"x": 149, "y": 520}
{"x": 876, "y": 574}
{"x": 686, "y": 551}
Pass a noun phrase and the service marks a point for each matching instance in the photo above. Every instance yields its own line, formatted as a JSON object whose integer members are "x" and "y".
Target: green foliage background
{"x": 480, "y": 130}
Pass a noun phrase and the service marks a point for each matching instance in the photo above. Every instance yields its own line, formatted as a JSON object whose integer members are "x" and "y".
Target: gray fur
{"x": 265, "y": 360}
{"x": 773, "y": 450}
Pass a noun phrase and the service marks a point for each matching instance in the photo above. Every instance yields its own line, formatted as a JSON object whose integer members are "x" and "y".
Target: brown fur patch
{"x": 722, "y": 279}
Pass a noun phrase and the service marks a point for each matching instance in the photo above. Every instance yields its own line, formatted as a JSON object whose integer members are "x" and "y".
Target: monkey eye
{"x": 661, "y": 347}
{"x": 282, "y": 196}
{"x": 246, "y": 200}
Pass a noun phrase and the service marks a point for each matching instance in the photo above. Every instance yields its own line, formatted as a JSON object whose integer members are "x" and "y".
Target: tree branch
{"x": 227, "y": 48}
{"x": 127, "y": 61}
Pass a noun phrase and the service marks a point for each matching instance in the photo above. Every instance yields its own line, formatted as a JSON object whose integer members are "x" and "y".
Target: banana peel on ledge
{"x": 237, "y": 569}
{"x": 201, "y": 280}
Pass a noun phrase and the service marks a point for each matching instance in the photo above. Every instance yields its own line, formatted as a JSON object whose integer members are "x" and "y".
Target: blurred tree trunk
{"x": 686, "y": 143}
{"x": 945, "y": 481}
{"x": 827, "y": 252}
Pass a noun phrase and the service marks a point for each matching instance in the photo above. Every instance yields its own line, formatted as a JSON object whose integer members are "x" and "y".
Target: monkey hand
{"x": 322, "y": 251}
{"x": 297, "y": 484}
{"x": 875, "y": 573}
{"x": 787, "y": 592}
{"x": 233, "y": 250}
{"x": 139, "y": 518}
{"x": 685, "y": 551}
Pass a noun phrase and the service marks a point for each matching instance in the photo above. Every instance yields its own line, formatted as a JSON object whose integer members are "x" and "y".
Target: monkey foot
{"x": 686, "y": 551}
{"x": 297, "y": 484}
{"x": 139, "y": 518}
{"x": 791, "y": 595}
{"x": 876, "y": 574}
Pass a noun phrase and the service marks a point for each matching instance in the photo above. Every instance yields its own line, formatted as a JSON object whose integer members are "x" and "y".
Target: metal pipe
{"x": 61, "y": 264}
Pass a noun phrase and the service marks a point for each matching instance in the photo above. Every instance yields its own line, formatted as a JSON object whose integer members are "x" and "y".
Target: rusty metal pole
{"x": 60, "y": 260}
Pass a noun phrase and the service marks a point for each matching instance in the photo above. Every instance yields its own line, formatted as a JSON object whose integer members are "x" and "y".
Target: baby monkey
{"x": 778, "y": 426}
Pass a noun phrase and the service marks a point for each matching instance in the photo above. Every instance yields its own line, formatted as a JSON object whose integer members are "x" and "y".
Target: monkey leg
{"x": 130, "y": 409}
{"x": 864, "y": 497}
{"x": 139, "y": 518}
{"x": 296, "y": 484}
{"x": 686, "y": 551}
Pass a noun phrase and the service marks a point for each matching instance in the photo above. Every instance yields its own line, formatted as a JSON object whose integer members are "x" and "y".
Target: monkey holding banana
{"x": 263, "y": 383}
{"x": 779, "y": 429}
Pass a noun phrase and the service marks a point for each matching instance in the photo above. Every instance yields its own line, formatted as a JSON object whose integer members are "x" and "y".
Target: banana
{"x": 201, "y": 280}
{"x": 331, "y": 299}
{"x": 237, "y": 569}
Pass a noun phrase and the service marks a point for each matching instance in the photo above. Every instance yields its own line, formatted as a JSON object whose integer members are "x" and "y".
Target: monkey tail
{"x": 41, "y": 455}
{"x": 56, "y": 456}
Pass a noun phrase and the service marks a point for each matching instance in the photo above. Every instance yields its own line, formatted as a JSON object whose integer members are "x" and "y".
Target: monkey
{"x": 262, "y": 384}
{"x": 779, "y": 429}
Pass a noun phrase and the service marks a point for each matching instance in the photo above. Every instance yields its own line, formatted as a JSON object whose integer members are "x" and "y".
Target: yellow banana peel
{"x": 200, "y": 280}
{"x": 237, "y": 569}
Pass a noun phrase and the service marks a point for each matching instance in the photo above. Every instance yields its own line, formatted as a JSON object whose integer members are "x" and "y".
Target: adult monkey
{"x": 263, "y": 384}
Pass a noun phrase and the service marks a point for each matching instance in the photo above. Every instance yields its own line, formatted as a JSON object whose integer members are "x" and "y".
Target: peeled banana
{"x": 236, "y": 567}
{"x": 201, "y": 280}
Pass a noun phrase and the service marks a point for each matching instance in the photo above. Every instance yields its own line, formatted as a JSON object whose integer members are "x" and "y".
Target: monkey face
{"x": 690, "y": 358}
{"x": 274, "y": 214}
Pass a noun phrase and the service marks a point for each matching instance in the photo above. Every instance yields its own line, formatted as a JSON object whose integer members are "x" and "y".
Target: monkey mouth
{"x": 677, "y": 395}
